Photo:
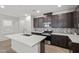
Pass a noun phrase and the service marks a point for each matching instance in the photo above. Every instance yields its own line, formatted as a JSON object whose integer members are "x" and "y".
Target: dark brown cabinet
{"x": 41, "y": 22}
{"x": 54, "y": 21}
{"x": 38, "y": 22}
{"x": 62, "y": 21}
{"x": 76, "y": 17}
{"x": 75, "y": 20}
{"x": 70, "y": 20}
{"x": 61, "y": 41}
{"x": 45, "y": 19}
{"x": 65, "y": 20}
{"x": 75, "y": 47}
{"x": 48, "y": 19}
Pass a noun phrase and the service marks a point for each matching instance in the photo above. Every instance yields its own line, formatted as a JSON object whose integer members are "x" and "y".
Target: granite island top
{"x": 74, "y": 38}
{"x": 29, "y": 40}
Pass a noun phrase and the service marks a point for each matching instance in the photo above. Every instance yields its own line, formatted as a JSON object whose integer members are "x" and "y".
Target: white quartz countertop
{"x": 29, "y": 40}
{"x": 74, "y": 38}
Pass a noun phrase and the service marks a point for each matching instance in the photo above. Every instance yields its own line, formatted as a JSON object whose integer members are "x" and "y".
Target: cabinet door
{"x": 76, "y": 17}
{"x": 66, "y": 20}
{"x": 62, "y": 21}
{"x": 75, "y": 20}
{"x": 49, "y": 19}
{"x": 40, "y": 22}
{"x": 45, "y": 19}
{"x": 70, "y": 20}
{"x": 54, "y": 21}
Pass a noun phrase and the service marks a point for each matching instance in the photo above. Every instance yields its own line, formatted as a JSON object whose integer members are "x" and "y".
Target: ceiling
{"x": 21, "y": 10}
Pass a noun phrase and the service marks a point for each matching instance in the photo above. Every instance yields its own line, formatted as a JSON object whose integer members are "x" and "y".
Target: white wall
{"x": 19, "y": 25}
{"x": 4, "y": 29}
{"x": 28, "y": 25}
{"x": 25, "y": 25}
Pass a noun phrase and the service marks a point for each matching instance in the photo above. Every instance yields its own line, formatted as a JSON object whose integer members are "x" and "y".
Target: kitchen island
{"x": 27, "y": 44}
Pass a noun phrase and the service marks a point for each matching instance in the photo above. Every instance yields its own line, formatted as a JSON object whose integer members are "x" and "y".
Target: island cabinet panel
{"x": 42, "y": 46}
{"x": 75, "y": 47}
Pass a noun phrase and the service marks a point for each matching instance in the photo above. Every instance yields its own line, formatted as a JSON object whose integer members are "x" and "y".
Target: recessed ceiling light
{"x": 38, "y": 11}
{"x": 59, "y": 5}
{"x": 2, "y": 6}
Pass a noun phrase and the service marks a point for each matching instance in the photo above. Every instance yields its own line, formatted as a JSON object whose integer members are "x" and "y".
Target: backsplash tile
{"x": 57, "y": 30}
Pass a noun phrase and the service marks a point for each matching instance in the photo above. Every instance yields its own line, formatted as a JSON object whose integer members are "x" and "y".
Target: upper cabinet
{"x": 65, "y": 20}
{"x": 48, "y": 19}
{"x": 54, "y": 21}
{"x": 76, "y": 17}
{"x": 38, "y": 22}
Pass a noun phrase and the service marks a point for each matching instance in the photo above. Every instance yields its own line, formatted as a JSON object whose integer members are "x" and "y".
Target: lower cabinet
{"x": 75, "y": 47}
{"x": 64, "y": 42}
{"x": 61, "y": 41}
